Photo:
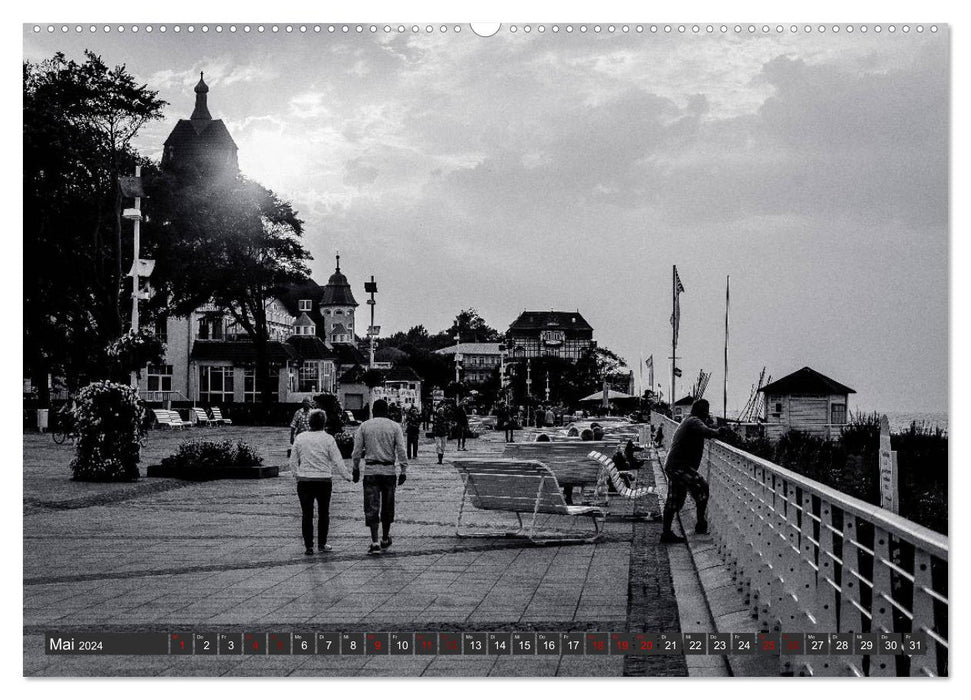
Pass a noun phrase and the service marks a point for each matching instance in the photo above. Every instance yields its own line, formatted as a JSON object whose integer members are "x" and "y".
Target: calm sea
{"x": 902, "y": 420}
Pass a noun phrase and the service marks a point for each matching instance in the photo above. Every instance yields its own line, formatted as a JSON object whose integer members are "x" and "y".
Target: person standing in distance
{"x": 681, "y": 467}
{"x": 314, "y": 458}
{"x": 380, "y": 442}
{"x": 300, "y": 422}
{"x": 440, "y": 432}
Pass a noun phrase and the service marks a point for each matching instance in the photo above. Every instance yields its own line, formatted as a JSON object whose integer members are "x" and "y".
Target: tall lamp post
{"x": 371, "y": 288}
{"x": 132, "y": 187}
{"x": 458, "y": 366}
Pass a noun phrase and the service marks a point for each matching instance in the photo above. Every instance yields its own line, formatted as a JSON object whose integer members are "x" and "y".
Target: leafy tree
{"x": 79, "y": 119}
{"x": 228, "y": 241}
{"x": 471, "y": 328}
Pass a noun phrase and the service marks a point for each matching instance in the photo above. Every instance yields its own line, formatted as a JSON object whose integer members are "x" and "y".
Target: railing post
{"x": 923, "y": 611}
{"x": 881, "y": 611}
{"x": 851, "y": 619}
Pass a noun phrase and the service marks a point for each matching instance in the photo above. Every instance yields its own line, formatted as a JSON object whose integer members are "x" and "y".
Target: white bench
{"x": 169, "y": 419}
{"x": 521, "y": 486}
{"x": 216, "y": 416}
{"x": 199, "y": 416}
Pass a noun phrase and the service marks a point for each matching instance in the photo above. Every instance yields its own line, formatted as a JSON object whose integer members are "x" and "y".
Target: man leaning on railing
{"x": 681, "y": 467}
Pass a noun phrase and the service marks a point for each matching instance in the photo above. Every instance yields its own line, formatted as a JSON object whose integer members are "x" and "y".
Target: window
{"x": 838, "y": 414}
{"x": 215, "y": 384}
{"x": 305, "y": 305}
{"x": 159, "y": 377}
{"x": 162, "y": 330}
{"x": 251, "y": 387}
{"x": 308, "y": 378}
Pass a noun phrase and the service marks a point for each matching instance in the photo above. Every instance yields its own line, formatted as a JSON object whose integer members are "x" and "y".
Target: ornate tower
{"x": 337, "y": 308}
{"x": 200, "y": 142}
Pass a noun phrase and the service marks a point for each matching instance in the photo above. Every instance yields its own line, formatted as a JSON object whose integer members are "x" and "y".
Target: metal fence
{"x": 809, "y": 558}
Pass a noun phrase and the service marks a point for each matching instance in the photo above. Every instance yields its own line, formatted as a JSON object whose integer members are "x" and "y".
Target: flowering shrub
{"x": 345, "y": 442}
{"x": 108, "y": 422}
{"x": 204, "y": 455}
{"x": 132, "y": 352}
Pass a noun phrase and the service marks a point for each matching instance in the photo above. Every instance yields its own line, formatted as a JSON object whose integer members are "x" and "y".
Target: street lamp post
{"x": 458, "y": 366}
{"x": 132, "y": 187}
{"x": 371, "y": 288}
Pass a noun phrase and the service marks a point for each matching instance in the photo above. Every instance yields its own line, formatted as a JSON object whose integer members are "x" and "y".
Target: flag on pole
{"x": 676, "y": 314}
{"x": 650, "y": 371}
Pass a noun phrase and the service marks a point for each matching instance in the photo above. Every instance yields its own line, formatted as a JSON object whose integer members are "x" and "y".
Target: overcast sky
{"x": 571, "y": 171}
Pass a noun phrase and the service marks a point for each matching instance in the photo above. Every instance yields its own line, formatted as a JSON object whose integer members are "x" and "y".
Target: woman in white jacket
{"x": 313, "y": 460}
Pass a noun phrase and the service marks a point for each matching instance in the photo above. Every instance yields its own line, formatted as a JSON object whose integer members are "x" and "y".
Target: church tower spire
{"x": 202, "y": 110}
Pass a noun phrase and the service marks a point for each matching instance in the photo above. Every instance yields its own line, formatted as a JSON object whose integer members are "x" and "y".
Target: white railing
{"x": 810, "y": 558}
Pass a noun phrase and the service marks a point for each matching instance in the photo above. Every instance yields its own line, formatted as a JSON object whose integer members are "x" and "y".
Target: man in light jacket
{"x": 313, "y": 460}
{"x": 380, "y": 442}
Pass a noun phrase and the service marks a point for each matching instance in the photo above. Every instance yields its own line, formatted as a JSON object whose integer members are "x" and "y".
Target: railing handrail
{"x": 933, "y": 542}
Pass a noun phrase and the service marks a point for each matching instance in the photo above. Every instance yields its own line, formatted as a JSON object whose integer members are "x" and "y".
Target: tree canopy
{"x": 79, "y": 120}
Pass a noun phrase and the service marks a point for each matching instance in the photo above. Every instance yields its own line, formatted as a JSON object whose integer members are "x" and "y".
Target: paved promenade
{"x": 166, "y": 555}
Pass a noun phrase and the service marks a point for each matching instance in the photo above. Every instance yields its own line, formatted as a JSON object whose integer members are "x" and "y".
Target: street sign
{"x": 131, "y": 187}
{"x": 374, "y": 330}
{"x": 889, "y": 485}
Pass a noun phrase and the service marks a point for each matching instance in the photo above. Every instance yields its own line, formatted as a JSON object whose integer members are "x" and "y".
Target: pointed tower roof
{"x": 202, "y": 109}
{"x": 201, "y": 140}
{"x": 337, "y": 291}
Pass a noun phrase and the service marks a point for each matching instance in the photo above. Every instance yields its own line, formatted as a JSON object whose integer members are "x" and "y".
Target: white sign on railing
{"x": 889, "y": 486}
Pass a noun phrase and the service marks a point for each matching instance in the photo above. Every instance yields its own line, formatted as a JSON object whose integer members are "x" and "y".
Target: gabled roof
{"x": 550, "y": 320}
{"x": 401, "y": 374}
{"x": 304, "y": 320}
{"x": 239, "y": 352}
{"x": 310, "y": 347}
{"x": 347, "y": 354}
{"x": 291, "y": 295}
{"x": 806, "y": 381}
{"x": 471, "y": 349}
{"x": 685, "y": 401}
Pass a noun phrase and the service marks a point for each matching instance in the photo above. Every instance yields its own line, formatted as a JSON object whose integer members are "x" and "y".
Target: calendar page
{"x": 592, "y": 349}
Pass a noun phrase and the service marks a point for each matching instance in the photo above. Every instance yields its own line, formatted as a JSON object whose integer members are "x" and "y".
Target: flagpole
{"x": 725, "y": 386}
{"x": 674, "y": 331}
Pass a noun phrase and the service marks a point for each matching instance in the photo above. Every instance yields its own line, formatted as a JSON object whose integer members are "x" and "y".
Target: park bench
{"x": 569, "y": 460}
{"x": 610, "y": 473}
{"x": 521, "y": 486}
{"x": 216, "y": 416}
{"x": 199, "y": 416}
{"x": 169, "y": 419}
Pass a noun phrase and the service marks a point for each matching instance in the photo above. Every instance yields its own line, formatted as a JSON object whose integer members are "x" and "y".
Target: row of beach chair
{"x": 528, "y": 481}
{"x": 165, "y": 418}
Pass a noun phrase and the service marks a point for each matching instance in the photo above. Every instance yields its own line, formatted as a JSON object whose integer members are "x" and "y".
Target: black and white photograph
{"x": 533, "y": 349}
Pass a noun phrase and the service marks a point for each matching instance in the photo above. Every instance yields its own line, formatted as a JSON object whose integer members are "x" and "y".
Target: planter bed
{"x": 167, "y": 472}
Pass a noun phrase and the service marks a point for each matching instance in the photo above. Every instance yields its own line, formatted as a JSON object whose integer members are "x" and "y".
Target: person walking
{"x": 412, "y": 431}
{"x": 300, "y": 422}
{"x": 681, "y": 468}
{"x": 461, "y": 419}
{"x": 440, "y": 432}
{"x": 550, "y": 417}
{"x": 314, "y": 458}
{"x": 512, "y": 417}
{"x": 380, "y": 442}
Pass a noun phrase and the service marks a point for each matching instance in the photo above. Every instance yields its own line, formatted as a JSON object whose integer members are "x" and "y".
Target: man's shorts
{"x": 379, "y": 498}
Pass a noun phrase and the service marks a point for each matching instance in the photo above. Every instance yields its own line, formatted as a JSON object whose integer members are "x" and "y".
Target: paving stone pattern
{"x": 167, "y": 555}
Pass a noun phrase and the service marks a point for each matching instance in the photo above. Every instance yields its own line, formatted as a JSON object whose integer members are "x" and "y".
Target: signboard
{"x": 553, "y": 338}
{"x": 889, "y": 487}
{"x": 131, "y": 187}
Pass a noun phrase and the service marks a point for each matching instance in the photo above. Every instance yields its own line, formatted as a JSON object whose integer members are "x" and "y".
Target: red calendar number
{"x": 768, "y": 645}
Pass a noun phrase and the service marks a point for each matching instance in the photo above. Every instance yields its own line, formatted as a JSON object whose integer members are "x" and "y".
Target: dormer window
{"x": 305, "y": 304}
